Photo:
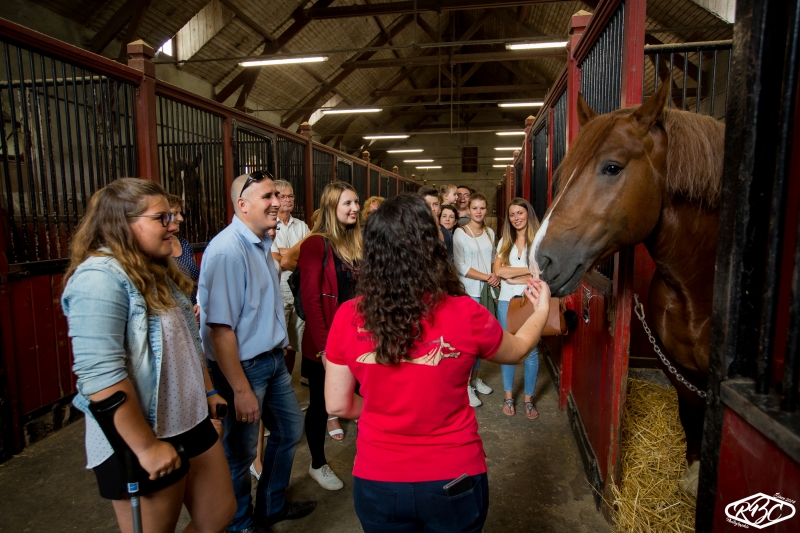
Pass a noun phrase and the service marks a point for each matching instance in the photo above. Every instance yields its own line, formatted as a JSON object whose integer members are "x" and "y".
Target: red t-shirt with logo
{"x": 416, "y": 424}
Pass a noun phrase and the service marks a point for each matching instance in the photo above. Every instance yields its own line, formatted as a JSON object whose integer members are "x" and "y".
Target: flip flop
{"x": 336, "y": 434}
{"x": 529, "y": 410}
{"x": 510, "y": 404}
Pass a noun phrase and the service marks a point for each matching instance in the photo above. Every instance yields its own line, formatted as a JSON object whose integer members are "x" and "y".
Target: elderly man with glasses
{"x": 243, "y": 330}
{"x": 462, "y": 204}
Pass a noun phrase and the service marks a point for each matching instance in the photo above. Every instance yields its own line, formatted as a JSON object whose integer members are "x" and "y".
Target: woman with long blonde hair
{"x": 512, "y": 266}
{"x": 133, "y": 330}
{"x": 328, "y": 263}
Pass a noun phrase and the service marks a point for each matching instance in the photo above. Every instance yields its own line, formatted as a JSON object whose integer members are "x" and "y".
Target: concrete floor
{"x": 536, "y": 479}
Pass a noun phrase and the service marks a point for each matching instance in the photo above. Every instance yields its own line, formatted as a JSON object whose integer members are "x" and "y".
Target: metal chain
{"x": 639, "y": 310}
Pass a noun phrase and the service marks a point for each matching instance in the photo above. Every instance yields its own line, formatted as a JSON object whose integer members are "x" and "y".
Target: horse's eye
{"x": 612, "y": 170}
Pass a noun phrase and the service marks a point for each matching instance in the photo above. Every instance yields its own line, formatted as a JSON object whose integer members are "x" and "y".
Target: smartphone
{"x": 458, "y": 486}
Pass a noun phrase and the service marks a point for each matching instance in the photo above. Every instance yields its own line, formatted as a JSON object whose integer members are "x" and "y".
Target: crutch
{"x": 103, "y": 412}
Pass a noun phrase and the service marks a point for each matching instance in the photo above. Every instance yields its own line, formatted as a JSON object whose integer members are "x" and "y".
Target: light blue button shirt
{"x": 239, "y": 287}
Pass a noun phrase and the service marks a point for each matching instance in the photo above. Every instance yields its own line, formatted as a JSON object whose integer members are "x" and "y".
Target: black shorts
{"x": 111, "y": 472}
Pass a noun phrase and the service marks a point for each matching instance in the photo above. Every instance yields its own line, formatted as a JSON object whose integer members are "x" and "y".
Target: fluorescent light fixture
{"x": 503, "y": 158}
{"x": 535, "y": 46}
{"x": 417, "y": 160}
{"x": 520, "y": 104}
{"x": 284, "y": 61}
{"x": 522, "y": 132}
{"x": 405, "y": 151}
{"x": 510, "y": 148}
{"x": 378, "y": 137}
{"x": 343, "y": 111}
{"x": 499, "y": 166}
{"x": 427, "y": 168}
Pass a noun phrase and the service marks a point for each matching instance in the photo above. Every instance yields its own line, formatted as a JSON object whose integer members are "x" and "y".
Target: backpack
{"x": 294, "y": 285}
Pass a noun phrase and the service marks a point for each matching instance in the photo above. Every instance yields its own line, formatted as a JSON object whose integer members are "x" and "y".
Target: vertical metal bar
{"x": 12, "y": 251}
{"x": 15, "y": 126}
{"x": 88, "y": 137}
{"x": 116, "y": 142}
{"x": 103, "y": 88}
{"x": 99, "y": 170}
{"x": 713, "y": 82}
{"x": 130, "y": 152}
{"x": 728, "y": 79}
{"x": 41, "y": 180}
{"x": 53, "y": 196}
{"x": 671, "y": 76}
{"x": 64, "y": 200}
{"x": 655, "y": 76}
{"x": 161, "y": 125}
{"x": 699, "y": 94}
{"x": 73, "y": 192}
{"x": 685, "y": 78}
{"x": 27, "y": 139}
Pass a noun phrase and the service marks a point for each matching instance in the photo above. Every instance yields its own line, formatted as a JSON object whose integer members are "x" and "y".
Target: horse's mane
{"x": 694, "y": 153}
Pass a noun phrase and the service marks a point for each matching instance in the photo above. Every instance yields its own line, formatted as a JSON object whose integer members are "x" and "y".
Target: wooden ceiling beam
{"x": 400, "y": 8}
{"x": 133, "y": 29}
{"x": 514, "y": 55}
{"x": 484, "y": 89}
{"x": 114, "y": 25}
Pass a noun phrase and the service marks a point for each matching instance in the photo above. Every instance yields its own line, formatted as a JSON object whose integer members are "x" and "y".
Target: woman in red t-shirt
{"x": 410, "y": 338}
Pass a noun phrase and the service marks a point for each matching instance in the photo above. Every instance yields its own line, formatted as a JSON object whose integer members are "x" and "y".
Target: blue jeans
{"x": 281, "y": 414}
{"x": 385, "y": 507}
{"x": 531, "y": 362}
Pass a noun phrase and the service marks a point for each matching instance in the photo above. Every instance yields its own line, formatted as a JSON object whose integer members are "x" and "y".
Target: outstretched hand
{"x": 538, "y": 292}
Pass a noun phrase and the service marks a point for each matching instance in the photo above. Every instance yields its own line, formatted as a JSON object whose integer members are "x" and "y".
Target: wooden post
{"x": 308, "y": 169}
{"x": 145, "y": 113}
{"x": 370, "y": 192}
{"x": 527, "y": 179}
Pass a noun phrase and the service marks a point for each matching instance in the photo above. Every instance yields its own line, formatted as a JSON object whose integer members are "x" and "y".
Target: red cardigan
{"x": 320, "y": 294}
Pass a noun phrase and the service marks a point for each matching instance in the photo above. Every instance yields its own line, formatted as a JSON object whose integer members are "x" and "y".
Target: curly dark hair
{"x": 405, "y": 274}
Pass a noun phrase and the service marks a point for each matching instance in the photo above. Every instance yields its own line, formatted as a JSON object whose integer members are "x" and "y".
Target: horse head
{"x": 609, "y": 196}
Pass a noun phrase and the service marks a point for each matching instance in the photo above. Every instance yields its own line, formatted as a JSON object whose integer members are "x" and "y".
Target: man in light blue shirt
{"x": 244, "y": 332}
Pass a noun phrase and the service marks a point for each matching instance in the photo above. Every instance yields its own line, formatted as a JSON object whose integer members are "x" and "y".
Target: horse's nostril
{"x": 543, "y": 261}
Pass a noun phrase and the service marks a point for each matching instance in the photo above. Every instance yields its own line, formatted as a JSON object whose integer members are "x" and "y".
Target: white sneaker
{"x": 482, "y": 387}
{"x": 473, "y": 398}
{"x": 325, "y": 477}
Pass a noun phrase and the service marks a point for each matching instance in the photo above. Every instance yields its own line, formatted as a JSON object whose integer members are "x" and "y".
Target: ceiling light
{"x": 520, "y": 104}
{"x": 343, "y": 111}
{"x": 499, "y": 166}
{"x": 377, "y": 137}
{"x": 284, "y": 61}
{"x": 521, "y": 132}
{"x": 503, "y": 158}
{"x": 534, "y": 46}
{"x": 511, "y": 148}
{"x": 427, "y": 168}
{"x": 417, "y": 160}
{"x": 405, "y": 151}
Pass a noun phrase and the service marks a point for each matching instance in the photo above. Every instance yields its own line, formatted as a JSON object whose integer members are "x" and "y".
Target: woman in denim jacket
{"x": 133, "y": 329}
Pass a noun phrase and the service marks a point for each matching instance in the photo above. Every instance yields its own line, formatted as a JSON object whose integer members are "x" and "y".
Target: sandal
{"x": 508, "y": 407}
{"x": 336, "y": 434}
{"x": 530, "y": 411}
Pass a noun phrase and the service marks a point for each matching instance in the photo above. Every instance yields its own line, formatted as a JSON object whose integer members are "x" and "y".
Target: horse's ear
{"x": 585, "y": 113}
{"x": 652, "y": 111}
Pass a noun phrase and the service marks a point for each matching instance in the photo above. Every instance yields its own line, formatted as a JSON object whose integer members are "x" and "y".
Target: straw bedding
{"x": 652, "y": 461}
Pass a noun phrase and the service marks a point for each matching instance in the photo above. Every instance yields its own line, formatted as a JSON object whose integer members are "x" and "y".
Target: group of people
{"x": 394, "y": 324}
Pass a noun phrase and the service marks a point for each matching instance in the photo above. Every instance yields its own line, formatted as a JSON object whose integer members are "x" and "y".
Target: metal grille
{"x": 291, "y": 160}
{"x": 374, "y": 180}
{"x": 601, "y": 69}
{"x": 344, "y": 171}
{"x": 190, "y": 165}
{"x": 386, "y": 190}
{"x": 559, "y": 135}
{"x": 540, "y": 172}
{"x": 322, "y": 173}
{"x": 252, "y": 150}
{"x": 360, "y": 180}
{"x": 393, "y": 186}
{"x": 518, "y": 175}
{"x": 67, "y": 132}
{"x": 698, "y": 74}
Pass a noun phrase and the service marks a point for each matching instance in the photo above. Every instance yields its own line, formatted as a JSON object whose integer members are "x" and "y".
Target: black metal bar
{"x": 53, "y": 196}
{"x": 655, "y": 76}
{"x": 685, "y": 78}
{"x": 41, "y": 180}
{"x": 79, "y": 146}
{"x": 29, "y": 160}
{"x": 97, "y": 141}
{"x": 69, "y": 150}
{"x": 64, "y": 197}
{"x": 14, "y": 128}
{"x": 699, "y": 82}
{"x": 130, "y": 133}
{"x": 713, "y": 82}
{"x": 113, "y": 113}
{"x": 12, "y": 245}
{"x": 671, "y": 77}
{"x": 89, "y": 148}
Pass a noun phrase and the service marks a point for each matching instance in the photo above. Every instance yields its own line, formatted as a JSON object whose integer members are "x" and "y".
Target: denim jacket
{"x": 113, "y": 337}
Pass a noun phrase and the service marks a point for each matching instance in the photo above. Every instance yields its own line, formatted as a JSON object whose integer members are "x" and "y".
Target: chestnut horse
{"x": 649, "y": 175}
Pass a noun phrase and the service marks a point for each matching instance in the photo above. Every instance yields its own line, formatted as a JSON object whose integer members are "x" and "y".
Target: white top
{"x": 515, "y": 260}
{"x": 466, "y": 255}
{"x": 181, "y": 390}
{"x": 286, "y": 236}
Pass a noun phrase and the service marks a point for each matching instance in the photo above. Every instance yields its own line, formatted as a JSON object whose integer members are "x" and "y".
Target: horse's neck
{"x": 684, "y": 245}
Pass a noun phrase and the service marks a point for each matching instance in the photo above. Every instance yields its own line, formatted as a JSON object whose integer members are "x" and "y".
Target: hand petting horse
{"x": 649, "y": 175}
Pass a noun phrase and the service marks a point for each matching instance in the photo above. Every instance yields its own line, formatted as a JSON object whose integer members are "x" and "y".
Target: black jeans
{"x": 384, "y": 507}
{"x": 316, "y": 415}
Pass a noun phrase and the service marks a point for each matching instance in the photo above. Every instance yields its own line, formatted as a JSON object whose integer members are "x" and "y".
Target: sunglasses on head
{"x": 255, "y": 177}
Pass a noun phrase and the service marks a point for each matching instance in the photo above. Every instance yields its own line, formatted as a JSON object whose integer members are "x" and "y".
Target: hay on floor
{"x": 653, "y": 451}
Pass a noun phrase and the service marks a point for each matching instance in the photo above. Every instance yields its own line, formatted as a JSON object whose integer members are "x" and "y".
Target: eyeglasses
{"x": 166, "y": 218}
{"x": 286, "y": 197}
{"x": 255, "y": 177}
{"x": 462, "y": 195}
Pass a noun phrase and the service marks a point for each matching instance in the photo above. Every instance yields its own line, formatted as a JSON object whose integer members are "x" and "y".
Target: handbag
{"x": 489, "y": 294}
{"x": 520, "y": 309}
